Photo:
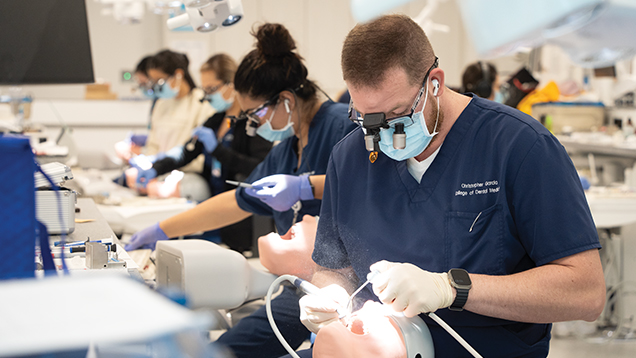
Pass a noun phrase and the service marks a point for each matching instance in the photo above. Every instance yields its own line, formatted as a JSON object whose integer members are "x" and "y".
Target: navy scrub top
{"x": 502, "y": 196}
{"x": 328, "y": 127}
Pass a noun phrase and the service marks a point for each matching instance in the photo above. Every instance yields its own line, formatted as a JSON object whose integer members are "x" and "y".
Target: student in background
{"x": 282, "y": 104}
{"x": 134, "y": 143}
{"x": 229, "y": 152}
{"x": 481, "y": 78}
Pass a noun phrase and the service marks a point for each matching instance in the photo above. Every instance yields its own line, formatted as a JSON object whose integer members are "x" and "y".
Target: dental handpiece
{"x": 308, "y": 288}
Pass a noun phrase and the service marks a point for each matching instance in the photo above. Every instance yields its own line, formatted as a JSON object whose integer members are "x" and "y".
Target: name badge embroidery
{"x": 478, "y": 188}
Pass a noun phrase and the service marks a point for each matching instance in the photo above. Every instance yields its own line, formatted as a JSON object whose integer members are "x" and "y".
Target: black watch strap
{"x": 313, "y": 188}
{"x": 460, "y": 300}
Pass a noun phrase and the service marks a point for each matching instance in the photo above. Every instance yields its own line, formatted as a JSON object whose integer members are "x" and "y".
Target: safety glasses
{"x": 157, "y": 86}
{"x": 358, "y": 118}
{"x": 257, "y": 113}
{"x": 212, "y": 90}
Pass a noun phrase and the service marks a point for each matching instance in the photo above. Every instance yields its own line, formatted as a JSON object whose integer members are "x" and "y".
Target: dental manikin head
{"x": 291, "y": 253}
{"x": 368, "y": 332}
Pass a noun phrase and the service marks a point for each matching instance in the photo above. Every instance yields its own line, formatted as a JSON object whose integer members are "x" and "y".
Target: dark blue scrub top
{"x": 502, "y": 196}
{"x": 328, "y": 127}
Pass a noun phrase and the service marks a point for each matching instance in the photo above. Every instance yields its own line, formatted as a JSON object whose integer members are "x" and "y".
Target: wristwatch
{"x": 459, "y": 279}
{"x": 313, "y": 188}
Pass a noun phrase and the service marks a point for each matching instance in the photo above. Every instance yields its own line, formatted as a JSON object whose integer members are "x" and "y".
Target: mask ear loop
{"x": 289, "y": 112}
{"x": 179, "y": 78}
{"x": 437, "y": 119}
{"x": 272, "y": 116}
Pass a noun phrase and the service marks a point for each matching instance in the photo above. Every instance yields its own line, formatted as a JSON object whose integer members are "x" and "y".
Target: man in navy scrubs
{"x": 468, "y": 208}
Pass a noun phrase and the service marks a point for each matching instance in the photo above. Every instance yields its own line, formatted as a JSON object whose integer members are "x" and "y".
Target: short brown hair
{"x": 390, "y": 41}
{"x": 223, "y": 66}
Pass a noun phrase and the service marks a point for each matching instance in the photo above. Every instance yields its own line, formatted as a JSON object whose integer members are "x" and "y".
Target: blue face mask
{"x": 148, "y": 93}
{"x": 218, "y": 102}
{"x": 165, "y": 91}
{"x": 499, "y": 97}
{"x": 417, "y": 135}
{"x": 266, "y": 131}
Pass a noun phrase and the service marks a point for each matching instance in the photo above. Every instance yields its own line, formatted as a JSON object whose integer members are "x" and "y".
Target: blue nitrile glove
{"x": 281, "y": 191}
{"x": 144, "y": 176}
{"x": 142, "y": 161}
{"x": 584, "y": 182}
{"x": 206, "y": 136}
{"x": 146, "y": 238}
{"x": 138, "y": 139}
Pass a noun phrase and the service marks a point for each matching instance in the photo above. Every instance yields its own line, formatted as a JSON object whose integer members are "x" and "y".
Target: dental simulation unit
{"x": 415, "y": 333}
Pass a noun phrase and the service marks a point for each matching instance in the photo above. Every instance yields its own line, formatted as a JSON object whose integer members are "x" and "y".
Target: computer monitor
{"x": 44, "y": 42}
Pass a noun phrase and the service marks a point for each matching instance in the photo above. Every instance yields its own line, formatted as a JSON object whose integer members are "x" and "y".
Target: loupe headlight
{"x": 373, "y": 122}
{"x": 399, "y": 136}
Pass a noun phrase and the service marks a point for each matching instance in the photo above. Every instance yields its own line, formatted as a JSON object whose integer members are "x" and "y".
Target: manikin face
{"x": 368, "y": 333}
{"x": 291, "y": 253}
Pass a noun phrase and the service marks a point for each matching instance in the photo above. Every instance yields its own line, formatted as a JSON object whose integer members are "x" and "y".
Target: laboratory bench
{"x": 90, "y": 225}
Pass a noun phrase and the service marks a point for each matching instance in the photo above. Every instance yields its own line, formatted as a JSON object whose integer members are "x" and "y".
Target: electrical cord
{"x": 614, "y": 315}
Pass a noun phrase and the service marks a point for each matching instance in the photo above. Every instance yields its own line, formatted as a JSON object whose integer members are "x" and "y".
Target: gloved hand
{"x": 409, "y": 289}
{"x": 144, "y": 176}
{"x": 142, "y": 161}
{"x": 206, "y": 136}
{"x": 281, "y": 191}
{"x": 317, "y": 311}
{"x": 146, "y": 238}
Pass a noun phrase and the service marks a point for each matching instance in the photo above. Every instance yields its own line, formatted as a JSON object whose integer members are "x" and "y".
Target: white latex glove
{"x": 317, "y": 311}
{"x": 409, "y": 289}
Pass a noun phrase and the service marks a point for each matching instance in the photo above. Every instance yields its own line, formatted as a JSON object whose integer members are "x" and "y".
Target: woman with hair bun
{"x": 281, "y": 104}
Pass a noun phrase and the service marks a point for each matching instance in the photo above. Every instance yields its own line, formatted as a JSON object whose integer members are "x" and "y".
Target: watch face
{"x": 460, "y": 277}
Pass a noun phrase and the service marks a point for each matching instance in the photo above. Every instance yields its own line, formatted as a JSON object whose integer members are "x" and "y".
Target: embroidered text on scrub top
{"x": 478, "y": 188}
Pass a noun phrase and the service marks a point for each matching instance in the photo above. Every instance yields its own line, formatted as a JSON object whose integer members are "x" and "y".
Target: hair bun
{"x": 273, "y": 40}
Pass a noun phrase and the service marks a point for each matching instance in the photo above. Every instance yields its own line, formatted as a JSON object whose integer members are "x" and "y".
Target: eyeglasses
{"x": 212, "y": 90}
{"x": 358, "y": 118}
{"x": 157, "y": 86}
{"x": 257, "y": 113}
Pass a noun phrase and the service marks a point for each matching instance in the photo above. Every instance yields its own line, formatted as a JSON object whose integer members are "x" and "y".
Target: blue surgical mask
{"x": 148, "y": 92}
{"x": 166, "y": 91}
{"x": 219, "y": 103}
{"x": 266, "y": 131}
{"x": 499, "y": 97}
{"x": 417, "y": 135}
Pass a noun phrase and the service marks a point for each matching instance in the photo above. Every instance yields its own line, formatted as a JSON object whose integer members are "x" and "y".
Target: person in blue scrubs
{"x": 477, "y": 187}
{"x": 229, "y": 152}
{"x": 281, "y": 104}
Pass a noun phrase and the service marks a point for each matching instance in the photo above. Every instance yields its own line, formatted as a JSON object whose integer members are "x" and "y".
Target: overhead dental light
{"x": 208, "y": 15}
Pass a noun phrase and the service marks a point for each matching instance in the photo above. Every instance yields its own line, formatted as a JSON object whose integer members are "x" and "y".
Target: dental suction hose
{"x": 454, "y": 334}
{"x": 303, "y": 286}
{"x": 311, "y": 289}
